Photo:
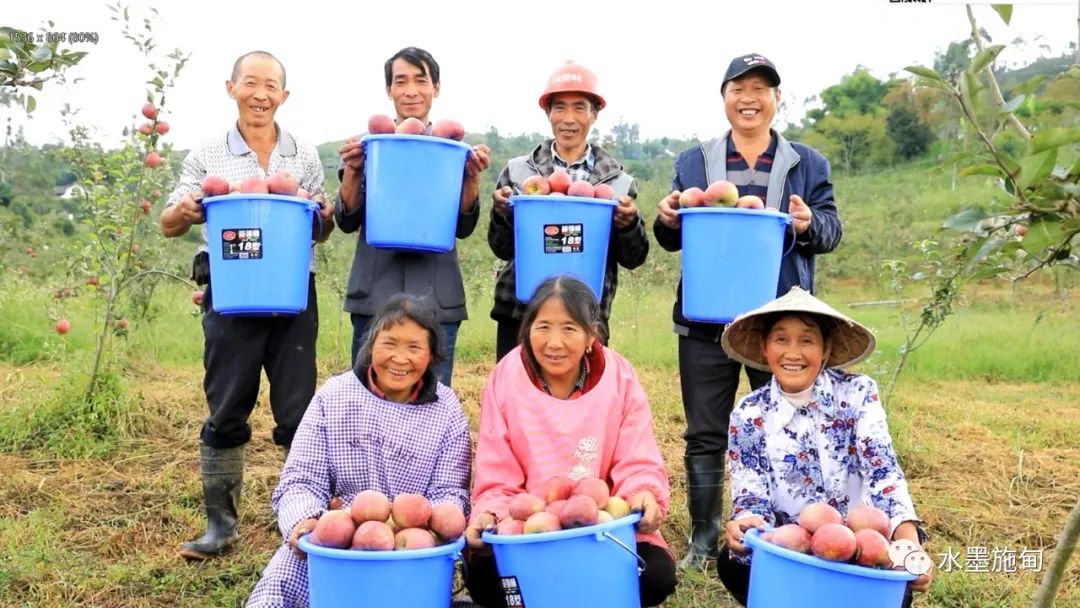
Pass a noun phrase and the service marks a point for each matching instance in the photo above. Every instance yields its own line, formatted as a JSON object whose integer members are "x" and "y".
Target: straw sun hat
{"x": 850, "y": 341}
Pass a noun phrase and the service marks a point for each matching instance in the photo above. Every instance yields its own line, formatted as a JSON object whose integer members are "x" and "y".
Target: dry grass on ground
{"x": 993, "y": 465}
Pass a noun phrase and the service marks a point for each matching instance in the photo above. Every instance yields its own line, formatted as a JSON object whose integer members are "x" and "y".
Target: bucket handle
{"x": 464, "y": 573}
{"x": 794, "y": 235}
{"x": 640, "y": 561}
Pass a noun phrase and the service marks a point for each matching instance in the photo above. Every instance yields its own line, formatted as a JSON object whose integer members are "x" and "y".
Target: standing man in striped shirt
{"x": 238, "y": 348}
{"x": 790, "y": 177}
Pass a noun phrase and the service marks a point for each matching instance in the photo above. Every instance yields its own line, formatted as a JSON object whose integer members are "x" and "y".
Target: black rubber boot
{"x": 705, "y": 490}
{"x": 222, "y": 478}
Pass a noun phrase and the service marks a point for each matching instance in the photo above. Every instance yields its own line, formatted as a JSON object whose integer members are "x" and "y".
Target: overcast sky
{"x": 659, "y": 62}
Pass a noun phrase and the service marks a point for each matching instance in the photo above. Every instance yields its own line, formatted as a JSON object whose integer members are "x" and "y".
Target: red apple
{"x": 560, "y": 181}
{"x": 536, "y": 184}
{"x": 722, "y": 192}
{"x": 1021, "y": 230}
{"x": 122, "y": 323}
{"x": 162, "y": 127}
{"x": 450, "y": 129}
{"x": 215, "y": 185}
{"x": 254, "y": 185}
{"x": 749, "y": 202}
{"x": 581, "y": 188}
{"x": 146, "y": 206}
{"x": 283, "y": 183}
{"x": 692, "y": 197}
{"x": 605, "y": 192}
{"x": 149, "y": 111}
{"x": 411, "y": 126}
{"x": 63, "y": 326}
{"x": 146, "y": 128}
{"x": 197, "y": 297}
{"x": 380, "y": 124}
{"x": 153, "y": 160}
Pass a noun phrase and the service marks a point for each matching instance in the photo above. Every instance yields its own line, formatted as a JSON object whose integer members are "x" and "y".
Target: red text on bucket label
{"x": 564, "y": 238}
{"x": 241, "y": 244}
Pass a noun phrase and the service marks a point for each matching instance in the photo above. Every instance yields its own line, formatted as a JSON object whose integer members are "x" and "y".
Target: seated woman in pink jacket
{"x": 562, "y": 404}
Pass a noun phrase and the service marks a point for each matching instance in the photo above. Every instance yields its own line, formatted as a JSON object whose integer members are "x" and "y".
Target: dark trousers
{"x": 656, "y": 582}
{"x": 506, "y": 335}
{"x": 736, "y": 578}
{"x": 236, "y": 350}
{"x": 709, "y": 379}
{"x": 444, "y": 370}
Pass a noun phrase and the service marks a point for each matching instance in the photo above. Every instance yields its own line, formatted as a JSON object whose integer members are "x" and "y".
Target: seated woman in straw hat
{"x": 813, "y": 434}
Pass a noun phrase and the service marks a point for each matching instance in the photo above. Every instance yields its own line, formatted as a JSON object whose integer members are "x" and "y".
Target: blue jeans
{"x": 444, "y": 370}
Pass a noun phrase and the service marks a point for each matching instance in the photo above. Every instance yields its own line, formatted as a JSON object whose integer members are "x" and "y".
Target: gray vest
{"x": 715, "y": 153}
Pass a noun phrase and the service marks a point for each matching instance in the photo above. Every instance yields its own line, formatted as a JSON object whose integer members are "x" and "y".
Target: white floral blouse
{"x": 836, "y": 449}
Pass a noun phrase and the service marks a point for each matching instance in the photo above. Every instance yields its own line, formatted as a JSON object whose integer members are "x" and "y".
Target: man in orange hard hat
{"x": 572, "y": 103}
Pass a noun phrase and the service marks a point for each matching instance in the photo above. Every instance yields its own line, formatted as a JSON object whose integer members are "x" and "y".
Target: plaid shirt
{"x": 578, "y": 170}
{"x": 628, "y": 247}
{"x": 349, "y": 441}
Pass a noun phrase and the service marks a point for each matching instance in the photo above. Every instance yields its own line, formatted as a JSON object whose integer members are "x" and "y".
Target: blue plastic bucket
{"x": 781, "y": 578}
{"x": 590, "y": 566}
{"x": 413, "y": 191}
{"x": 260, "y": 253}
{"x": 730, "y": 260}
{"x": 414, "y": 578}
{"x": 557, "y": 235}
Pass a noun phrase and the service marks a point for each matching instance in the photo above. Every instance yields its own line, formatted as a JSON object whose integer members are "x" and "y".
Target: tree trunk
{"x": 1044, "y": 598}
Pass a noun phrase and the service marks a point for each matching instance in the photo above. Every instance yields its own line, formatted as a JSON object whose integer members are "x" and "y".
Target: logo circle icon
{"x": 918, "y": 563}
{"x": 228, "y": 235}
{"x": 899, "y": 550}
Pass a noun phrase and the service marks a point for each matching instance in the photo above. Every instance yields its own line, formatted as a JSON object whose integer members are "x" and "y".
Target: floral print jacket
{"x": 836, "y": 449}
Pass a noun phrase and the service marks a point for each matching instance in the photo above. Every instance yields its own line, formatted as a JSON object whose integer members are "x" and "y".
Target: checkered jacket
{"x": 628, "y": 247}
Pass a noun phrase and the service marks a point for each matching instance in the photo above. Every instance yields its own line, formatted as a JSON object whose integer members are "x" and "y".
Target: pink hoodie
{"x": 527, "y": 437}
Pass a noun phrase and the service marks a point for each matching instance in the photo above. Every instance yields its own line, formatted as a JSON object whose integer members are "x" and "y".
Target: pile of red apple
{"x": 566, "y": 504}
{"x": 719, "y": 193}
{"x": 559, "y": 183}
{"x": 375, "y": 523}
{"x": 381, "y": 124}
{"x": 822, "y": 531}
{"x": 279, "y": 183}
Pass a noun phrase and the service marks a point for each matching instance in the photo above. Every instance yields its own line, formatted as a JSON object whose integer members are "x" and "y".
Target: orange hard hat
{"x": 571, "y": 78}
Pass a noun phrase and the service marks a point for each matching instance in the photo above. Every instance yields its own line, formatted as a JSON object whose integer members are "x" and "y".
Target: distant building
{"x": 69, "y": 191}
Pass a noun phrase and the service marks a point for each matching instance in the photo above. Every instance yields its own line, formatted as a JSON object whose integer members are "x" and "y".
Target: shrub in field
{"x": 111, "y": 257}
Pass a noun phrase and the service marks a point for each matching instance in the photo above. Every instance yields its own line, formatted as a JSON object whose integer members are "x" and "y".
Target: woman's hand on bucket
{"x": 737, "y": 528}
{"x": 645, "y": 503}
{"x": 666, "y": 210}
{"x": 485, "y": 522}
{"x": 301, "y": 529}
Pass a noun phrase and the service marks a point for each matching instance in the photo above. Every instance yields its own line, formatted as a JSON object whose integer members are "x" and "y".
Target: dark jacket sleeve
{"x": 668, "y": 238}
{"x": 350, "y": 221}
{"x": 501, "y": 228}
{"x": 466, "y": 222}
{"x": 631, "y": 243}
{"x": 825, "y": 231}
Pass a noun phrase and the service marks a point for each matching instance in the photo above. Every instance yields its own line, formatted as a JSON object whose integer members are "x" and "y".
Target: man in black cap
{"x": 790, "y": 177}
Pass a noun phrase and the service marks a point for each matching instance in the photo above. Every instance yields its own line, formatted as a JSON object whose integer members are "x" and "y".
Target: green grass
{"x": 985, "y": 415}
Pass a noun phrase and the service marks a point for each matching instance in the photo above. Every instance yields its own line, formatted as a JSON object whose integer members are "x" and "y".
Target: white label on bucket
{"x": 241, "y": 244}
{"x": 564, "y": 238}
{"x": 512, "y": 592}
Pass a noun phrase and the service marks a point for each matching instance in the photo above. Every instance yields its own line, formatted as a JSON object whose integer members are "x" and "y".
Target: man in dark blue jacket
{"x": 790, "y": 177}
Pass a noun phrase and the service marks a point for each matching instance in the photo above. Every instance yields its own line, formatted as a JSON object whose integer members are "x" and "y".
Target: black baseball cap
{"x": 748, "y": 63}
